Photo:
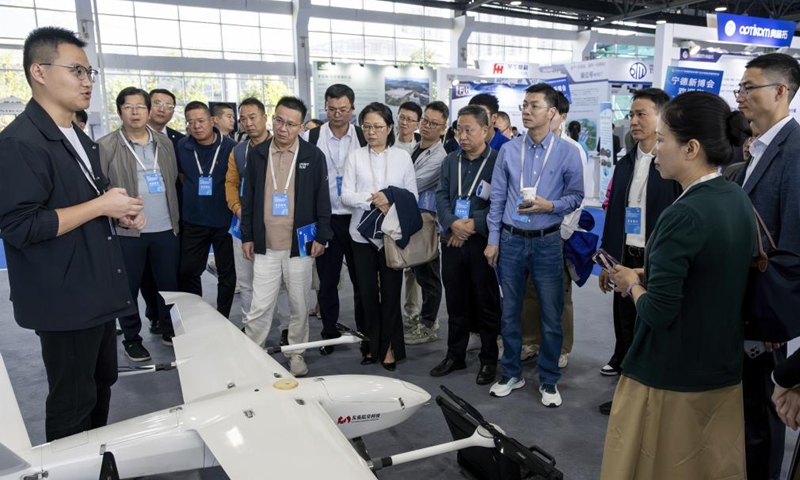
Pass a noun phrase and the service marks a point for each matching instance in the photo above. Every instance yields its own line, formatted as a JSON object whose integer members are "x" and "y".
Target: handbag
{"x": 772, "y": 298}
{"x": 422, "y": 247}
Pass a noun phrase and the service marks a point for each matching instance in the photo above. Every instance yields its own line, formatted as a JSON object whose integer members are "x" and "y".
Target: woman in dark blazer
{"x": 677, "y": 410}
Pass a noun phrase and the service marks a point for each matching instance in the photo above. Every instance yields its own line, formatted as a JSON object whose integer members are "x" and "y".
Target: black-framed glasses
{"x": 404, "y": 119}
{"x": 427, "y": 123}
{"x": 531, "y": 107}
{"x": 79, "y": 70}
{"x": 744, "y": 91}
{"x": 338, "y": 111}
{"x": 278, "y": 122}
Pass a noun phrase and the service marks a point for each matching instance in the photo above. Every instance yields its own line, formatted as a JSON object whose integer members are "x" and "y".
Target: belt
{"x": 532, "y": 233}
{"x": 634, "y": 251}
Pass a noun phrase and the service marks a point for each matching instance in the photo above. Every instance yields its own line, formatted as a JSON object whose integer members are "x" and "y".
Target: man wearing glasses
{"x": 771, "y": 179}
{"x": 503, "y": 124}
{"x": 337, "y": 138}
{"x": 407, "y": 123}
{"x": 65, "y": 265}
{"x": 537, "y": 180}
{"x": 203, "y": 161}
{"x": 162, "y": 110}
{"x": 286, "y": 211}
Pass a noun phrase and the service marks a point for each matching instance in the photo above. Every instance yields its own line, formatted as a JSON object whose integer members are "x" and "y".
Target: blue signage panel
{"x": 681, "y": 80}
{"x": 561, "y": 84}
{"x": 755, "y": 30}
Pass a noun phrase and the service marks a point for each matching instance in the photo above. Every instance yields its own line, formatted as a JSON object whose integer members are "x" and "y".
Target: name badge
{"x": 520, "y": 217}
{"x": 339, "y": 186}
{"x": 462, "y": 209}
{"x": 427, "y": 201}
{"x": 236, "y": 227}
{"x": 206, "y": 187}
{"x": 633, "y": 220}
{"x": 155, "y": 184}
{"x": 280, "y": 204}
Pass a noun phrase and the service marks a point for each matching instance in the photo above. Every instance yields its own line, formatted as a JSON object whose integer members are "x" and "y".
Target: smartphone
{"x": 525, "y": 204}
{"x": 754, "y": 348}
{"x": 605, "y": 260}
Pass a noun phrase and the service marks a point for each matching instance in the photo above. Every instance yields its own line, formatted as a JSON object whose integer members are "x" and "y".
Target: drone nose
{"x": 414, "y": 395}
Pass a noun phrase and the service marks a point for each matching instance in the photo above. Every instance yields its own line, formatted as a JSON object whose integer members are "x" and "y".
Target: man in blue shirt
{"x": 494, "y": 137}
{"x": 524, "y": 235}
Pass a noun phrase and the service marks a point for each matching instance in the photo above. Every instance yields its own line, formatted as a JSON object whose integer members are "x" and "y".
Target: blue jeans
{"x": 542, "y": 258}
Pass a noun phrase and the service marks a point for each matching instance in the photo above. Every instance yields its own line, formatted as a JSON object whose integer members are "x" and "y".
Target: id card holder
{"x": 462, "y": 209}
{"x": 236, "y": 227}
{"x": 339, "y": 185}
{"x": 154, "y": 182}
{"x": 633, "y": 220}
{"x": 280, "y": 204}
{"x": 206, "y": 187}
{"x": 520, "y": 217}
{"x": 427, "y": 201}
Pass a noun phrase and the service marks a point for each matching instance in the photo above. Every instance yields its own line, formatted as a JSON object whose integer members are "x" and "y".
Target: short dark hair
{"x": 41, "y": 46}
{"x": 440, "y": 107}
{"x": 562, "y": 105}
{"x": 293, "y": 103}
{"x": 385, "y": 114}
{"x": 219, "y": 108}
{"x": 476, "y": 111}
{"x": 82, "y": 116}
{"x": 550, "y": 93}
{"x": 412, "y": 107}
{"x": 163, "y": 91}
{"x": 504, "y": 116}
{"x": 316, "y": 121}
{"x": 131, "y": 91}
{"x": 254, "y": 102}
{"x": 779, "y": 67}
{"x": 708, "y": 119}
{"x": 486, "y": 100}
{"x": 196, "y": 105}
{"x": 339, "y": 90}
{"x": 656, "y": 95}
{"x": 574, "y": 130}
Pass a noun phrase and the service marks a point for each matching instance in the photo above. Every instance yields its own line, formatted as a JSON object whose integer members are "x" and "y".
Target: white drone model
{"x": 237, "y": 398}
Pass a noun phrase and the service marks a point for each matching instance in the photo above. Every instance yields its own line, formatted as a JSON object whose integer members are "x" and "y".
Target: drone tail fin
{"x": 13, "y": 435}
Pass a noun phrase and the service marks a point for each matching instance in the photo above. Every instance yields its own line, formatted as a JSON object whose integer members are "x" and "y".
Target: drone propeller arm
{"x": 344, "y": 339}
{"x": 481, "y": 438}
{"x": 126, "y": 371}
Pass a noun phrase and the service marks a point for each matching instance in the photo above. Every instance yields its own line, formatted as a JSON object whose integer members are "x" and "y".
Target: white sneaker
{"x": 609, "y": 371}
{"x": 550, "y": 396}
{"x": 563, "y": 360}
{"x": 297, "y": 366}
{"x": 506, "y": 385}
{"x": 528, "y": 351}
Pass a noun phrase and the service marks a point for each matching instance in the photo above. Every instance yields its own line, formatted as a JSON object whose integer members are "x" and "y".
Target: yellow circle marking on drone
{"x": 286, "y": 384}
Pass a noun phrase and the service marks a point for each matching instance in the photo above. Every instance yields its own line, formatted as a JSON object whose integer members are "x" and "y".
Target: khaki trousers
{"x": 532, "y": 326}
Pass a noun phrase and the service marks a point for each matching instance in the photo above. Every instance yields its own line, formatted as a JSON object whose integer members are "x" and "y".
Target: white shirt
{"x": 758, "y": 147}
{"x": 76, "y": 144}
{"x": 637, "y": 195}
{"x": 336, "y": 151}
{"x": 408, "y": 147}
{"x": 367, "y": 172}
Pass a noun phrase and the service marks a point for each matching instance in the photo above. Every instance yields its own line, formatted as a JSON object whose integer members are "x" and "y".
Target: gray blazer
{"x": 774, "y": 187}
{"x": 119, "y": 165}
{"x": 428, "y": 167}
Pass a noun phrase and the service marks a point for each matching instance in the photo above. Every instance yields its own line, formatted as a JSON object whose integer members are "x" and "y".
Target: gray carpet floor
{"x": 573, "y": 433}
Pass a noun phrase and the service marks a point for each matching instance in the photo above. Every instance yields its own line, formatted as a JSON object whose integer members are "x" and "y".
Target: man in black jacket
{"x": 286, "y": 222}
{"x": 65, "y": 267}
{"x": 638, "y": 196}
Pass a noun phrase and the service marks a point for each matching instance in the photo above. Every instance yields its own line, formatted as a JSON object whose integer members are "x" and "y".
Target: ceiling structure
{"x": 633, "y": 15}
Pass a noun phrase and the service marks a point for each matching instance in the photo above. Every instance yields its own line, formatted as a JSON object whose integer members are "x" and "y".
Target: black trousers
{"x": 196, "y": 240}
{"x": 380, "y": 288}
{"x": 764, "y": 433}
{"x": 161, "y": 251}
{"x": 472, "y": 297}
{"x": 329, "y": 267}
{"x": 429, "y": 280}
{"x": 624, "y": 315}
{"x": 81, "y": 366}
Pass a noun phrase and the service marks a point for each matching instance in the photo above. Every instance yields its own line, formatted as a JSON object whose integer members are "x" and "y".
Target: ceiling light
{"x": 721, "y": 7}
{"x": 515, "y": 3}
{"x": 661, "y": 21}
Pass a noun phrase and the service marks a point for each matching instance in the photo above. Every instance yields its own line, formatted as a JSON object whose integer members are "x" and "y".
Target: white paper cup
{"x": 529, "y": 194}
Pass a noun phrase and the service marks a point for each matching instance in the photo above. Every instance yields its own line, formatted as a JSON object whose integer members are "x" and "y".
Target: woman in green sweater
{"x": 677, "y": 411}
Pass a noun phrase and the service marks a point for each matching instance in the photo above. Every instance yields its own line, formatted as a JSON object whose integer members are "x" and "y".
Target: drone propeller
{"x": 345, "y": 329}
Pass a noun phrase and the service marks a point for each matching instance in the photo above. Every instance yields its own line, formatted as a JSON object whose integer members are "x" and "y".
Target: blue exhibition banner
{"x": 561, "y": 84}
{"x": 681, "y": 80}
{"x": 755, "y": 30}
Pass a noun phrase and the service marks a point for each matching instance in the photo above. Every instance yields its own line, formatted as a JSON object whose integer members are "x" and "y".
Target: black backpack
{"x": 313, "y": 136}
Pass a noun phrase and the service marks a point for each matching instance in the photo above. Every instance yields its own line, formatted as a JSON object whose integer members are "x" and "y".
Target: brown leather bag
{"x": 422, "y": 247}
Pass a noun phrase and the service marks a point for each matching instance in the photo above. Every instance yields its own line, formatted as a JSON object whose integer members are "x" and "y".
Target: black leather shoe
{"x": 284, "y": 337}
{"x": 447, "y": 367}
{"x": 605, "y": 408}
{"x": 367, "y": 361}
{"x": 391, "y": 366}
{"x": 486, "y": 374}
{"x": 326, "y": 350}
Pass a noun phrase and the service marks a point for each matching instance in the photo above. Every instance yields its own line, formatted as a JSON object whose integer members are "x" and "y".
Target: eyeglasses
{"x": 129, "y": 107}
{"x": 160, "y": 104}
{"x": 744, "y": 91}
{"x": 427, "y": 123}
{"x": 196, "y": 123}
{"x": 338, "y": 111}
{"x": 79, "y": 70}
{"x": 278, "y": 122}
{"x": 404, "y": 119}
{"x": 531, "y": 107}
{"x": 465, "y": 131}
{"x": 371, "y": 128}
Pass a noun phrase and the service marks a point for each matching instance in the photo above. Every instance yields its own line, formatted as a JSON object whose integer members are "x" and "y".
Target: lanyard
{"x": 546, "y": 157}
{"x": 213, "y": 163}
{"x": 130, "y": 147}
{"x": 704, "y": 178}
{"x": 477, "y": 176}
{"x": 351, "y": 130}
{"x": 372, "y": 168}
{"x": 291, "y": 170}
{"x": 88, "y": 174}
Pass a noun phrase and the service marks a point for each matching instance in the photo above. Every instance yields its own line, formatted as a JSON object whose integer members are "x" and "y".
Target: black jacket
{"x": 312, "y": 198}
{"x": 174, "y": 137}
{"x": 72, "y": 282}
{"x": 660, "y": 195}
